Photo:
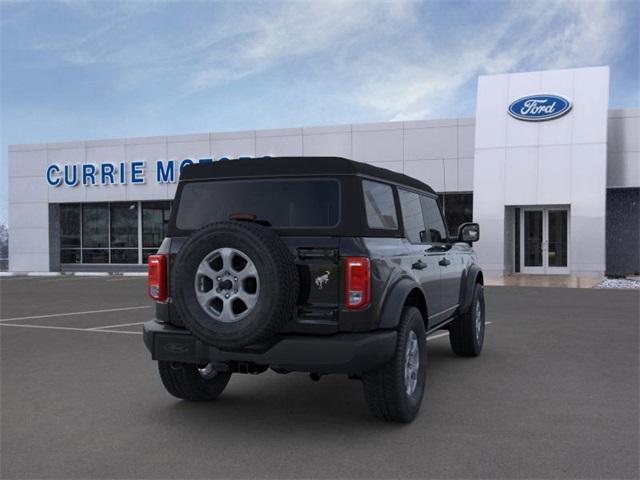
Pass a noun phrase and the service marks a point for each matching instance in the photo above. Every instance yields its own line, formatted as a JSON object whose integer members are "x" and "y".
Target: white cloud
{"x": 532, "y": 35}
{"x": 389, "y": 57}
{"x": 291, "y": 31}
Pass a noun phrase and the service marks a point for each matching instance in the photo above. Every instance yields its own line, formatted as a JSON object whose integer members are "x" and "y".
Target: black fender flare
{"x": 395, "y": 301}
{"x": 473, "y": 275}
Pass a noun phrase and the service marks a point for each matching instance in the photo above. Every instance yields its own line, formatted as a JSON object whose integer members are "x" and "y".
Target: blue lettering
{"x": 71, "y": 175}
{"x": 184, "y": 163}
{"x": 123, "y": 173}
{"x": 165, "y": 174}
{"x": 51, "y": 180}
{"x": 137, "y": 172}
{"x": 88, "y": 174}
{"x": 106, "y": 172}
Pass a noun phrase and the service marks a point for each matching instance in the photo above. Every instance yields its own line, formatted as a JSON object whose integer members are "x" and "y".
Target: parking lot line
{"x": 69, "y": 278}
{"x": 107, "y": 328}
{"x": 122, "y": 279}
{"x": 50, "y": 327}
{"x": 444, "y": 334}
{"x": 437, "y": 335}
{"x": 87, "y": 312}
{"x": 119, "y": 325}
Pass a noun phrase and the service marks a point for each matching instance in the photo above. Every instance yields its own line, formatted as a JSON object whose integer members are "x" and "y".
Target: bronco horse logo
{"x": 322, "y": 280}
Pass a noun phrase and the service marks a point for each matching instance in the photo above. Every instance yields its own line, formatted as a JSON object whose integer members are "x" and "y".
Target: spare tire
{"x": 234, "y": 284}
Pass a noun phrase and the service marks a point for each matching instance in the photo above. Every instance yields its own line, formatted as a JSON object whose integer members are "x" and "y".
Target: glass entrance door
{"x": 544, "y": 240}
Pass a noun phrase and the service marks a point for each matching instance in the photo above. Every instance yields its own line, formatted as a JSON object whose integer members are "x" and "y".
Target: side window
{"x": 436, "y": 231}
{"x": 379, "y": 204}
{"x": 412, "y": 216}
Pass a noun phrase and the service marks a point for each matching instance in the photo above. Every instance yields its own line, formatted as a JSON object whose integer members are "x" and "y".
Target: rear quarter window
{"x": 379, "y": 205}
{"x": 287, "y": 203}
{"x": 412, "y": 217}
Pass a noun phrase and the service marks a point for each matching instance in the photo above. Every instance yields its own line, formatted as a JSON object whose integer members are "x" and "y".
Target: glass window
{"x": 125, "y": 255}
{"x": 124, "y": 225}
{"x": 70, "y": 255}
{"x": 379, "y": 205}
{"x": 436, "y": 231}
{"x": 95, "y": 225}
{"x": 95, "y": 255}
{"x": 69, "y": 226}
{"x": 558, "y": 244}
{"x": 517, "y": 239}
{"x": 458, "y": 209}
{"x": 533, "y": 238}
{"x": 99, "y": 233}
{"x": 155, "y": 216}
{"x": 412, "y": 216}
{"x": 281, "y": 203}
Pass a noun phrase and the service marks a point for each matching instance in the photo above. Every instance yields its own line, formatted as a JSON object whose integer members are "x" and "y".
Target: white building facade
{"x": 550, "y": 173}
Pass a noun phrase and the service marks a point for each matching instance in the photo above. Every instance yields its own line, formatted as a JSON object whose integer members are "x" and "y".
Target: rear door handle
{"x": 419, "y": 265}
{"x": 444, "y": 262}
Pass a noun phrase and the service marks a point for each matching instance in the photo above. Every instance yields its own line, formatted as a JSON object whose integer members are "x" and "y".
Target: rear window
{"x": 283, "y": 203}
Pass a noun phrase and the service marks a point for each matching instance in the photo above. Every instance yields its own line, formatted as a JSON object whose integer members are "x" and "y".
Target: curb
{"x": 73, "y": 274}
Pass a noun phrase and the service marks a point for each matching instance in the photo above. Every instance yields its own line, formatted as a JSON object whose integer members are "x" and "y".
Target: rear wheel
{"x": 192, "y": 382}
{"x": 466, "y": 333}
{"x": 395, "y": 391}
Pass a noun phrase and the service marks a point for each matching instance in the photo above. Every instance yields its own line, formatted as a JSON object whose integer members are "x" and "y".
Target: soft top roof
{"x": 295, "y": 166}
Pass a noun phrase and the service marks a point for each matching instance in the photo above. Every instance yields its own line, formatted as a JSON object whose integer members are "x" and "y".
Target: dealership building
{"x": 548, "y": 170}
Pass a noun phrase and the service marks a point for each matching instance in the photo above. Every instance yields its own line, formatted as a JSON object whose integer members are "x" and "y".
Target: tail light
{"x": 157, "y": 279}
{"x": 358, "y": 282}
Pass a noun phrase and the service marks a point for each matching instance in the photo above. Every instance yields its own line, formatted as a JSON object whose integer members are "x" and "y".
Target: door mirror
{"x": 469, "y": 232}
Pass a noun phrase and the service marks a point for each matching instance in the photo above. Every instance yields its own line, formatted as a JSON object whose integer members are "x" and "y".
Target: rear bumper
{"x": 352, "y": 353}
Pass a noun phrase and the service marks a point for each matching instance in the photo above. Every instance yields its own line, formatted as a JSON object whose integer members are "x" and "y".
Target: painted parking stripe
{"x": 87, "y": 312}
{"x": 69, "y": 278}
{"x": 438, "y": 335}
{"x": 50, "y": 327}
{"x": 106, "y": 329}
{"x": 114, "y": 326}
{"x": 123, "y": 279}
{"x": 446, "y": 334}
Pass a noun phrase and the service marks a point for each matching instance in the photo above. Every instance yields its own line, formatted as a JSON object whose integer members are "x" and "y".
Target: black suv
{"x": 320, "y": 265}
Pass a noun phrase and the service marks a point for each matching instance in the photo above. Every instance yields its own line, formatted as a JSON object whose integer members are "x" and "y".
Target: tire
{"x": 184, "y": 380}
{"x": 385, "y": 390}
{"x": 466, "y": 333}
{"x": 271, "y": 297}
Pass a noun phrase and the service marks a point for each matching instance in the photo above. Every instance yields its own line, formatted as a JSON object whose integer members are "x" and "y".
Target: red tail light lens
{"x": 358, "y": 282}
{"x": 157, "y": 279}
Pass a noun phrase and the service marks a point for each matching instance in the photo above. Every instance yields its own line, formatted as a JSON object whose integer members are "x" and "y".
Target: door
{"x": 544, "y": 244}
{"x": 424, "y": 267}
{"x": 441, "y": 251}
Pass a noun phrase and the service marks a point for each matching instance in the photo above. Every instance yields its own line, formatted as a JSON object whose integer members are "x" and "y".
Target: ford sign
{"x": 536, "y": 108}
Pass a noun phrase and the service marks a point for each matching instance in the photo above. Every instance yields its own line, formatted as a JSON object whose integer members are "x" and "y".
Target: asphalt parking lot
{"x": 554, "y": 395}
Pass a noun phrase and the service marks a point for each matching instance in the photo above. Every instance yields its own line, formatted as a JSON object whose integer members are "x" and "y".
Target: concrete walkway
{"x": 558, "y": 281}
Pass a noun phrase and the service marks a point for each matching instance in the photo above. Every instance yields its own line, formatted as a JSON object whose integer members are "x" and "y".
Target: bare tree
{"x": 4, "y": 241}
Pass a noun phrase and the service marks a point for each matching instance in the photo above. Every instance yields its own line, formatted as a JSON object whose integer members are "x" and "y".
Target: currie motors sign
{"x": 540, "y": 107}
{"x": 119, "y": 173}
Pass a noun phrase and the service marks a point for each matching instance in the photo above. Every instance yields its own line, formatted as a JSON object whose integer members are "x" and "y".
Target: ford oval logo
{"x": 536, "y": 108}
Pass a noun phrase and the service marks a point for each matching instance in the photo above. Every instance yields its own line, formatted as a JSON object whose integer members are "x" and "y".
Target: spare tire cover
{"x": 234, "y": 284}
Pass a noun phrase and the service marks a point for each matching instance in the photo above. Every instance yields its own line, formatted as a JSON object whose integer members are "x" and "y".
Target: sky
{"x": 76, "y": 70}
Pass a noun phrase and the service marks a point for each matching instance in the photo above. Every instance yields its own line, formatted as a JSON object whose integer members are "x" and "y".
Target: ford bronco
{"x": 319, "y": 265}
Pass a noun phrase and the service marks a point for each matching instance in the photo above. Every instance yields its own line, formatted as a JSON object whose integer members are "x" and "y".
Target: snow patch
{"x": 624, "y": 283}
